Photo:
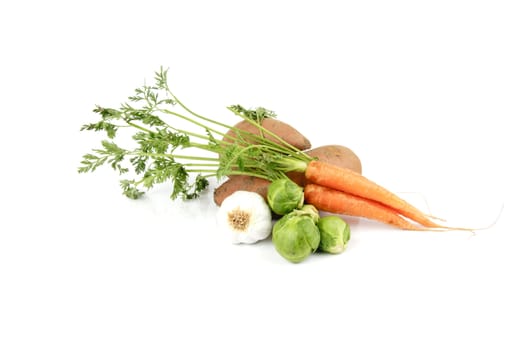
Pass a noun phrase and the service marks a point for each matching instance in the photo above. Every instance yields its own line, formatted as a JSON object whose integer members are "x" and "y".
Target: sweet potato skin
{"x": 240, "y": 183}
{"x": 281, "y": 129}
{"x": 337, "y": 155}
{"x": 333, "y": 154}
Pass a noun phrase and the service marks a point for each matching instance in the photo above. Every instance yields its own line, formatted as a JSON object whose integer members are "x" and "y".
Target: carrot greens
{"x": 163, "y": 130}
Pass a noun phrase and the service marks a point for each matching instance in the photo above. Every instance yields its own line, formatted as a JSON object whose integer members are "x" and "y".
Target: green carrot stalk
{"x": 161, "y": 143}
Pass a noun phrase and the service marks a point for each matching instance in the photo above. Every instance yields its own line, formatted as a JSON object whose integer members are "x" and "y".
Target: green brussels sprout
{"x": 284, "y": 196}
{"x": 307, "y": 210}
{"x": 335, "y": 234}
{"x": 295, "y": 237}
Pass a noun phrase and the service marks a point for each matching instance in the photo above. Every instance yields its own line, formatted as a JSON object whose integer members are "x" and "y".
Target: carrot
{"x": 337, "y": 202}
{"x": 351, "y": 182}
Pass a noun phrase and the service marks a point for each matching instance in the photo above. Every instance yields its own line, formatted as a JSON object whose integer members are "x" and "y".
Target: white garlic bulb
{"x": 245, "y": 216}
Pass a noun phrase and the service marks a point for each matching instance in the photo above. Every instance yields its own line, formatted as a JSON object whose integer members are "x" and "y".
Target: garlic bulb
{"x": 245, "y": 216}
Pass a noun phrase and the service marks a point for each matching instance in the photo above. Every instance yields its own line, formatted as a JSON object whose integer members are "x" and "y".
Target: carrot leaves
{"x": 257, "y": 115}
{"x": 157, "y": 151}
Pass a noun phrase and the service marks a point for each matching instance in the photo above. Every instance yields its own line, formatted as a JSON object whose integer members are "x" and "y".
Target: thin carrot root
{"x": 338, "y": 202}
{"x": 427, "y": 214}
{"x": 348, "y": 181}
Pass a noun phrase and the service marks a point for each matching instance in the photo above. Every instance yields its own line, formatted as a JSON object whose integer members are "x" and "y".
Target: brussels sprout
{"x": 284, "y": 196}
{"x": 307, "y": 210}
{"x": 335, "y": 234}
{"x": 295, "y": 237}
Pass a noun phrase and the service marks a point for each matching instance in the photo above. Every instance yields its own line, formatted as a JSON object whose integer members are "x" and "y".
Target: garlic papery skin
{"x": 245, "y": 216}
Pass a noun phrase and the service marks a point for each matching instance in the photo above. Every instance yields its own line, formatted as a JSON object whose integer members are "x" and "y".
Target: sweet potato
{"x": 240, "y": 183}
{"x": 333, "y": 154}
{"x": 279, "y": 128}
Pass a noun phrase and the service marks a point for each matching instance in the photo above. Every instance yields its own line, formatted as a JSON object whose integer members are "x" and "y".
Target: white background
{"x": 428, "y": 93}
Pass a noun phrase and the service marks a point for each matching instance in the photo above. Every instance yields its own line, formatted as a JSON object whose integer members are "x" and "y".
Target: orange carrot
{"x": 351, "y": 182}
{"x": 337, "y": 202}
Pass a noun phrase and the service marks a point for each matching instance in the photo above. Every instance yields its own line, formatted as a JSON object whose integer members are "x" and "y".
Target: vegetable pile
{"x": 257, "y": 150}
